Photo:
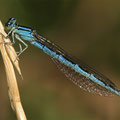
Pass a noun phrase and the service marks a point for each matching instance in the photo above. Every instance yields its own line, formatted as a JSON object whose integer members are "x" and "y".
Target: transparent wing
{"x": 74, "y": 76}
{"x": 81, "y": 81}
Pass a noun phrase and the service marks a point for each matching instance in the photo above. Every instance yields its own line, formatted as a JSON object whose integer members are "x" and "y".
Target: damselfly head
{"x": 10, "y": 23}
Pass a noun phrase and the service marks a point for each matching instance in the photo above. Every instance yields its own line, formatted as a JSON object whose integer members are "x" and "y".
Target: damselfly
{"x": 82, "y": 75}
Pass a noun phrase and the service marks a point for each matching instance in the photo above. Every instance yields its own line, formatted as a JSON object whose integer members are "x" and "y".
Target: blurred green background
{"x": 87, "y": 29}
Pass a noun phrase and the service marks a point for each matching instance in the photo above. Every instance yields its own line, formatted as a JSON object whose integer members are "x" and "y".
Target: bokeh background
{"x": 87, "y": 29}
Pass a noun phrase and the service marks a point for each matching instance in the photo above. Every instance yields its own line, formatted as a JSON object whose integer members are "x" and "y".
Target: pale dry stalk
{"x": 10, "y": 57}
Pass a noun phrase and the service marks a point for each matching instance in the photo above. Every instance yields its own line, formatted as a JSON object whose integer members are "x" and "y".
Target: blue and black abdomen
{"x": 82, "y": 75}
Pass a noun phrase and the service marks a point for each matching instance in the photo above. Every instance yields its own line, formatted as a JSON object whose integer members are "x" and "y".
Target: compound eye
{"x": 10, "y": 22}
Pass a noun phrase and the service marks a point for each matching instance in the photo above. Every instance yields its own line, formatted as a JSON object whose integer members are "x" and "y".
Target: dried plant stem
{"x": 9, "y": 56}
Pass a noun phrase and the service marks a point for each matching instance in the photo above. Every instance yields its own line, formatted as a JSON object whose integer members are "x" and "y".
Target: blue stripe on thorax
{"x": 24, "y": 28}
{"x": 74, "y": 66}
{"x": 25, "y": 35}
